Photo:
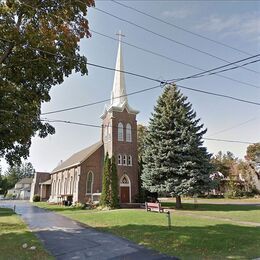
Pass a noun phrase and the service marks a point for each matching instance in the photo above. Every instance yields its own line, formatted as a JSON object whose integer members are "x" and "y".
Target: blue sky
{"x": 236, "y": 23}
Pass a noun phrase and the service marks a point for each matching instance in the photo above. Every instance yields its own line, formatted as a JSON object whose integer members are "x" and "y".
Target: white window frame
{"x": 128, "y": 133}
{"x": 125, "y": 160}
{"x": 120, "y": 132}
{"x": 130, "y": 160}
{"x": 119, "y": 159}
{"x": 92, "y": 181}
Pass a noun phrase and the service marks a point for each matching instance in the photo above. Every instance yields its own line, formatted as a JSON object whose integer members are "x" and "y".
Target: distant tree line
{"x": 13, "y": 174}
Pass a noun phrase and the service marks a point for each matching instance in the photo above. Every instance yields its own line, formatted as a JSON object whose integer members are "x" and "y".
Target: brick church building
{"x": 79, "y": 178}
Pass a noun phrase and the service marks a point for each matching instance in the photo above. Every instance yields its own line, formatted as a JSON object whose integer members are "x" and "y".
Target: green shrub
{"x": 9, "y": 196}
{"x": 79, "y": 205}
{"x": 36, "y": 198}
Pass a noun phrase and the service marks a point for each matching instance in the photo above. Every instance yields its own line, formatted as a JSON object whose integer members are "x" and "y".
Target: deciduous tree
{"x": 39, "y": 47}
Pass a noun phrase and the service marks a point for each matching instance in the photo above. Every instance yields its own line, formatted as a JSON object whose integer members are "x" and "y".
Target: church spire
{"x": 118, "y": 94}
{"x": 119, "y": 100}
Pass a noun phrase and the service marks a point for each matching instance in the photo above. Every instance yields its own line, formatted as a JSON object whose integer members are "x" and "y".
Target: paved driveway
{"x": 66, "y": 239}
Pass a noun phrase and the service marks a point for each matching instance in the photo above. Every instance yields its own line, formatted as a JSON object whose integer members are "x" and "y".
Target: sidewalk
{"x": 67, "y": 239}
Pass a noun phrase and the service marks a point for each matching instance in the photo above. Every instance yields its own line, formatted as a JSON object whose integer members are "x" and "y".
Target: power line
{"x": 147, "y": 89}
{"x": 99, "y": 102}
{"x": 97, "y": 126}
{"x": 220, "y": 95}
{"x": 225, "y": 140}
{"x": 160, "y": 81}
{"x": 245, "y": 83}
{"x": 234, "y": 126}
{"x": 213, "y": 72}
{"x": 166, "y": 37}
{"x": 174, "y": 60}
{"x": 180, "y": 28}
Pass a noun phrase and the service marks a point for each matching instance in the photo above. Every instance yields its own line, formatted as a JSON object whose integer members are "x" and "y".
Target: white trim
{"x": 124, "y": 158}
{"x": 128, "y": 133}
{"x": 92, "y": 182}
{"x": 131, "y": 160}
{"x": 120, "y": 132}
{"x": 121, "y": 159}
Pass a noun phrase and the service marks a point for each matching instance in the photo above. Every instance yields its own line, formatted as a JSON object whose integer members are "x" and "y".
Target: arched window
{"x": 53, "y": 188}
{"x": 130, "y": 160}
{"x": 90, "y": 179}
{"x": 109, "y": 131}
{"x": 65, "y": 186}
{"x": 128, "y": 133}
{"x": 124, "y": 180}
{"x": 71, "y": 185}
{"x": 120, "y": 132}
{"x": 124, "y": 160}
{"x": 119, "y": 159}
{"x": 58, "y": 190}
{"x": 75, "y": 180}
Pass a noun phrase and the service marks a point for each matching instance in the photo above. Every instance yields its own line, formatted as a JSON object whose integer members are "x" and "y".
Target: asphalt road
{"x": 66, "y": 239}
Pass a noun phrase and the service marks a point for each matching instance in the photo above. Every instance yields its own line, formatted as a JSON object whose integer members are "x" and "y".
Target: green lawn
{"x": 13, "y": 234}
{"x": 245, "y": 213}
{"x": 191, "y": 237}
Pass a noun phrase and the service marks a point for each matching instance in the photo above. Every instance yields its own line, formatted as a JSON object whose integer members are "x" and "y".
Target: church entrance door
{"x": 124, "y": 194}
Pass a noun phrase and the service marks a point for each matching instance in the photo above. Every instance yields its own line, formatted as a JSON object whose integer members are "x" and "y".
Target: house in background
{"x": 79, "y": 178}
{"x": 41, "y": 185}
{"x": 22, "y": 189}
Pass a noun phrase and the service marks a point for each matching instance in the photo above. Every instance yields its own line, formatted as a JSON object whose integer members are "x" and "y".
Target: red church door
{"x": 124, "y": 194}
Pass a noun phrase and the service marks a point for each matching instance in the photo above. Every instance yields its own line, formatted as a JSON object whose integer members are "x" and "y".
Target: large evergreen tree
{"x": 105, "y": 195}
{"x": 175, "y": 162}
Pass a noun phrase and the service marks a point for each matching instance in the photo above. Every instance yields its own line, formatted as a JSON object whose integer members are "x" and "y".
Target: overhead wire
{"x": 180, "y": 27}
{"x": 166, "y": 37}
{"x": 174, "y": 60}
{"x": 244, "y": 83}
{"x": 147, "y": 89}
{"x": 234, "y": 126}
{"x": 98, "y": 126}
{"x": 161, "y": 82}
{"x": 157, "y": 80}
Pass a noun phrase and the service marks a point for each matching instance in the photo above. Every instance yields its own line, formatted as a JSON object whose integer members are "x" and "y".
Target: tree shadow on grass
{"x": 6, "y": 212}
{"x": 194, "y": 242}
{"x": 58, "y": 208}
{"x": 211, "y": 207}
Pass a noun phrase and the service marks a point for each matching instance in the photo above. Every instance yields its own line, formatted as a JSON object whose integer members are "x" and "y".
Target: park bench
{"x": 153, "y": 206}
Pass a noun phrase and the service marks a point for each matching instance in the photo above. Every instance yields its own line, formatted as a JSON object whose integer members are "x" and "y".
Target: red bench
{"x": 150, "y": 206}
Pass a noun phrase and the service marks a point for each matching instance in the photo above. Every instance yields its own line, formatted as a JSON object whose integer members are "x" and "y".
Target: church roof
{"x": 79, "y": 157}
{"x": 25, "y": 181}
{"x": 48, "y": 182}
{"x": 119, "y": 100}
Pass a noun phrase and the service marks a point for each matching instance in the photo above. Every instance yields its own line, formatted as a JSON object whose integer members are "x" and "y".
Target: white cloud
{"x": 179, "y": 14}
{"x": 246, "y": 25}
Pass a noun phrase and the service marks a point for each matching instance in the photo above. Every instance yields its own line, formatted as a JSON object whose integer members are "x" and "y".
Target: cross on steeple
{"x": 120, "y": 35}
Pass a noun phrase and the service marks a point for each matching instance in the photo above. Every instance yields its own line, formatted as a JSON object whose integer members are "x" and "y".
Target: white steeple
{"x": 118, "y": 94}
{"x": 119, "y": 99}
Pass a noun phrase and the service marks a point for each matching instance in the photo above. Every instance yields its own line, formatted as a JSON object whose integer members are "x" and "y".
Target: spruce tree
{"x": 105, "y": 195}
{"x": 175, "y": 162}
{"x": 114, "y": 201}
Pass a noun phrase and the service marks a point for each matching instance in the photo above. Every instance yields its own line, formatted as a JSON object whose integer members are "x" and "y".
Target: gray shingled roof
{"x": 78, "y": 157}
{"x": 48, "y": 182}
{"x": 25, "y": 181}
